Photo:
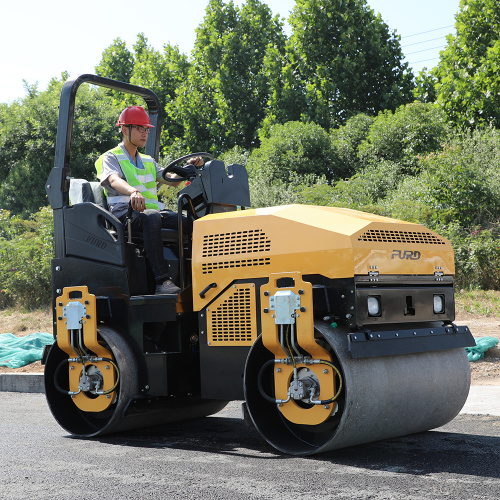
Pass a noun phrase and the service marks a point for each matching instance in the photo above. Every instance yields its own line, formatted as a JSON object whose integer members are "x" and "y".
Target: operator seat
{"x": 83, "y": 191}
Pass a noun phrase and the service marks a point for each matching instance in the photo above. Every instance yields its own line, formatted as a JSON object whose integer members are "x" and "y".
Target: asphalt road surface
{"x": 219, "y": 457}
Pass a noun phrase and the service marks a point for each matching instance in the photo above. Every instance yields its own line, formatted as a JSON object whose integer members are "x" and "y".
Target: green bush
{"x": 364, "y": 190}
{"x": 477, "y": 256}
{"x": 295, "y": 147}
{"x": 26, "y": 250}
{"x": 401, "y": 137}
{"x": 266, "y": 193}
{"x": 451, "y": 188}
{"x": 236, "y": 155}
{"x": 346, "y": 141}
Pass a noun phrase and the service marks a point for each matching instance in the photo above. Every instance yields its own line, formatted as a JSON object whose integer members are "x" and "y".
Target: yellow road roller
{"x": 334, "y": 327}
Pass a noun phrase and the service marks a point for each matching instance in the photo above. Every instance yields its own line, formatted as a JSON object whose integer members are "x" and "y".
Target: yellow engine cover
{"x": 333, "y": 242}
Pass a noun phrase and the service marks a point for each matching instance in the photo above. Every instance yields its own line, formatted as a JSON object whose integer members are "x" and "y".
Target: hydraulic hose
{"x": 331, "y": 400}
{"x": 56, "y": 374}
{"x": 259, "y": 382}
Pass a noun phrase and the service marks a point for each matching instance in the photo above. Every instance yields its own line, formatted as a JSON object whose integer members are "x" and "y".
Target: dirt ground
{"x": 484, "y": 372}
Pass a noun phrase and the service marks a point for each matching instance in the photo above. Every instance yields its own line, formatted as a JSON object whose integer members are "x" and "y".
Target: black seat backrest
{"x": 82, "y": 191}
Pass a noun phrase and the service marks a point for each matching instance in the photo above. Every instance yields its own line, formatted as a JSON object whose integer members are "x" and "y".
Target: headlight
{"x": 374, "y": 308}
{"x": 438, "y": 304}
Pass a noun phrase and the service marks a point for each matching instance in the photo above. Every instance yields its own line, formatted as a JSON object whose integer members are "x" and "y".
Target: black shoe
{"x": 167, "y": 288}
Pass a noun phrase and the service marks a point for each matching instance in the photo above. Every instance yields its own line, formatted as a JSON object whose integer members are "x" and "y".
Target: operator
{"x": 129, "y": 176}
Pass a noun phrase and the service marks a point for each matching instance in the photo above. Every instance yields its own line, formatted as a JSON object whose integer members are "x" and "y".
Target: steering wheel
{"x": 183, "y": 172}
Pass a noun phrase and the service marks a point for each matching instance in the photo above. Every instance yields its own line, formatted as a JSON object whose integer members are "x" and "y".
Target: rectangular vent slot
{"x": 238, "y": 242}
{"x": 231, "y": 321}
{"x": 386, "y": 236}
{"x": 213, "y": 266}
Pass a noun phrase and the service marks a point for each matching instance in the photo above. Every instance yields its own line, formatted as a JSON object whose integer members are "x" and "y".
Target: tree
{"x": 117, "y": 62}
{"x": 222, "y": 102}
{"x": 28, "y": 130}
{"x": 340, "y": 60}
{"x": 163, "y": 73}
{"x": 467, "y": 83}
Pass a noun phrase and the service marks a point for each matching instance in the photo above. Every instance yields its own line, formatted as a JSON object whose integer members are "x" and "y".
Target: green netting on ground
{"x": 482, "y": 345}
{"x": 21, "y": 351}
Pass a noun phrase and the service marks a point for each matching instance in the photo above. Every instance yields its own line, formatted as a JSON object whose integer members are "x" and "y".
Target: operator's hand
{"x": 137, "y": 201}
{"x": 197, "y": 161}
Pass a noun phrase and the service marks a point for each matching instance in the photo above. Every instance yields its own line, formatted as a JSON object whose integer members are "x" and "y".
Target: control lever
{"x": 128, "y": 220}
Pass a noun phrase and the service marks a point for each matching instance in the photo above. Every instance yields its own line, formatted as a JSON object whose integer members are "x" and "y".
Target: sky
{"x": 41, "y": 40}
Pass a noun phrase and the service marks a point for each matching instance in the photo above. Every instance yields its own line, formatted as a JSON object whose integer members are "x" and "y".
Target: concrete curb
{"x": 22, "y": 382}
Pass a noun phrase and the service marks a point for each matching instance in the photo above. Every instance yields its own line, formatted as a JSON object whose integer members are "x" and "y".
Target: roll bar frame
{"x": 57, "y": 186}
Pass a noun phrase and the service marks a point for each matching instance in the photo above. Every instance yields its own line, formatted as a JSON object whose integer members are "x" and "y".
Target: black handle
{"x": 129, "y": 221}
{"x": 130, "y": 210}
{"x": 206, "y": 289}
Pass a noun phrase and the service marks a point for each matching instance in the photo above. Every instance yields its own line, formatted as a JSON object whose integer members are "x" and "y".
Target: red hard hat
{"x": 134, "y": 115}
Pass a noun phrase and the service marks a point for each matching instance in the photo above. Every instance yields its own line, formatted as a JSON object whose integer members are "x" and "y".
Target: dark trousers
{"x": 150, "y": 223}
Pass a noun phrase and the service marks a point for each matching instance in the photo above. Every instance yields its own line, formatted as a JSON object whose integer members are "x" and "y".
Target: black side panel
{"x": 172, "y": 374}
{"x": 101, "y": 279}
{"x": 222, "y": 370}
{"x": 93, "y": 233}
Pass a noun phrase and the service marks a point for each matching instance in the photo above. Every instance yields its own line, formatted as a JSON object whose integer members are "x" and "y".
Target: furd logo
{"x": 406, "y": 254}
{"x": 92, "y": 240}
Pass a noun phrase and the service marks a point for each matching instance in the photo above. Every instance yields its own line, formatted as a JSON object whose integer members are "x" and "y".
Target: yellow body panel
{"x": 232, "y": 318}
{"x": 89, "y": 327}
{"x": 329, "y": 241}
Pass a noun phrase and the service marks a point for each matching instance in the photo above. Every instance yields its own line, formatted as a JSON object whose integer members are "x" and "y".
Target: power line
{"x": 424, "y": 60}
{"x": 428, "y": 31}
{"x": 425, "y": 50}
{"x": 425, "y": 41}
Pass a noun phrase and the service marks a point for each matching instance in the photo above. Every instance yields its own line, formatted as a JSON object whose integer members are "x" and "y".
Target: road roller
{"x": 333, "y": 327}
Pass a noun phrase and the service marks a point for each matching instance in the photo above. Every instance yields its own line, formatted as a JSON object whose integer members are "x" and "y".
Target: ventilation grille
{"x": 213, "y": 266}
{"x": 231, "y": 320}
{"x": 385, "y": 236}
{"x": 238, "y": 242}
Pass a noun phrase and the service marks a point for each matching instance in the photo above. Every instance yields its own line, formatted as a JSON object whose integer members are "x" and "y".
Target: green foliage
{"x": 163, "y": 73}
{"x": 340, "y": 60}
{"x": 266, "y": 193}
{"x": 477, "y": 256}
{"x": 467, "y": 83}
{"x": 28, "y": 131}
{"x": 346, "y": 141}
{"x": 117, "y": 62}
{"x": 236, "y": 155}
{"x": 301, "y": 148}
{"x": 315, "y": 191}
{"x": 26, "y": 250}
{"x": 447, "y": 190}
{"x": 27, "y": 145}
{"x": 366, "y": 189}
{"x": 402, "y": 136}
{"x": 425, "y": 86}
{"x": 222, "y": 101}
